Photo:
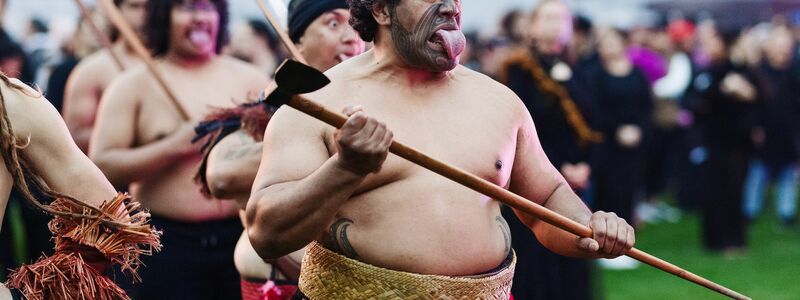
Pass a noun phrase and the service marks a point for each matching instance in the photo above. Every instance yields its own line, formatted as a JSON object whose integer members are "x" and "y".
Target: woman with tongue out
{"x": 378, "y": 227}
{"x": 141, "y": 140}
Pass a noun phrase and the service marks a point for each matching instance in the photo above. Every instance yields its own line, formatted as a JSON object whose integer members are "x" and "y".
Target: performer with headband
{"x": 93, "y": 75}
{"x": 383, "y": 228}
{"x": 142, "y": 140}
{"x": 93, "y": 225}
{"x": 320, "y": 30}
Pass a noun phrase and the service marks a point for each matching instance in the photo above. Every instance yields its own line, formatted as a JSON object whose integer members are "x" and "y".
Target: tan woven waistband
{"x": 328, "y": 275}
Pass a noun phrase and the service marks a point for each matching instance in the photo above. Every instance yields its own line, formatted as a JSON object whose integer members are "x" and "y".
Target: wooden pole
{"x": 104, "y": 41}
{"x": 287, "y": 41}
{"x": 130, "y": 36}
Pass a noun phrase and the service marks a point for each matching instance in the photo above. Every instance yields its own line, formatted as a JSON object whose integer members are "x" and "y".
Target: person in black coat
{"x": 622, "y": 111}
{"x": 722, "y": 97}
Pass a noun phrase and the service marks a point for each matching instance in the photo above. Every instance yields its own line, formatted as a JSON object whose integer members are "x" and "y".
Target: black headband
{"x": 303, "y": 12}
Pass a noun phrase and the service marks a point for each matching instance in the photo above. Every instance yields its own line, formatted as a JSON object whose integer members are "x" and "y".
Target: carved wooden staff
{"x": 104, "y": 41}
{"x": 130, "y": 36}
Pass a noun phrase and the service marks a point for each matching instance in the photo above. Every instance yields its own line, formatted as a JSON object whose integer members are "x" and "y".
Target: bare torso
{"x": 173, "y": 193}
{"x": 85, "y": 89}
{"x": 410, "y": 219}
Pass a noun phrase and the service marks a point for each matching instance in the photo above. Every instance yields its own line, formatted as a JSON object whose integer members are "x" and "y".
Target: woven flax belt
{"x": 328, "y": 275}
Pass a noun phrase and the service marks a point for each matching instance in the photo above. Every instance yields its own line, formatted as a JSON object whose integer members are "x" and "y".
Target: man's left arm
{"x": 232, "y": 167}
{"x": 535, "y": 178}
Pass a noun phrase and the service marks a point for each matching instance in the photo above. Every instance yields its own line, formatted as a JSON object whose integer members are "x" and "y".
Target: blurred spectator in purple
{"x": 652, "y": 64}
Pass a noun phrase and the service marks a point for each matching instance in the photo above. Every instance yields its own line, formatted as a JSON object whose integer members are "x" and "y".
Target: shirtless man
{"x": 321, "y": 32}
{"x": 141, "y": 140}
{"x": 337, "y": 190}
{"x": 91, "y": 76}
{"x": 53, "y": 157}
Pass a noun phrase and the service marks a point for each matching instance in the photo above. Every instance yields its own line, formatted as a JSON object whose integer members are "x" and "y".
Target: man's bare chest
{"x": 157, "y": 116}
{"x": 481, "y": 143}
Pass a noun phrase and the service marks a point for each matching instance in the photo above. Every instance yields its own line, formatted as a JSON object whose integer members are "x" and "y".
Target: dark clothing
{"x": 25, "y": 236}
{"x": 540, "y": 273}
{"x": 557, "y": 137}
{"x": 10, "y": 49}
{"x": 723, "y": 220}
{"x": 196, "y": 262}
{"x": 779, "y": 114}
{"x": 58, "y": 82}
{"x": 724, "y": 123}
{"x": 617, "y": 170}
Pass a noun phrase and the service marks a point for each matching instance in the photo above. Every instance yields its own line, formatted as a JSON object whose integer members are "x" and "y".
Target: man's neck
{"x": 389, "y": 62}
{"x": 186, "y": 61}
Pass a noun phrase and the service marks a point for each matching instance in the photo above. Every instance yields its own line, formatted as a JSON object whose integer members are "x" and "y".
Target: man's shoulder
{"x": 130, "y": 83}
{"x": 347, "y": 70}
{"x": 343, "y": 77}
{"x": 23, "y": 104}
{"x": 135, "y": 74}
{"x": 99, "y": 61}
{"x": 240, "y": 67}
{"x": 473, "y": 78}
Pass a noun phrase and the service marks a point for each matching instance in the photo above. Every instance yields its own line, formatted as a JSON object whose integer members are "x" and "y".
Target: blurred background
{"x": 698, "y": 102}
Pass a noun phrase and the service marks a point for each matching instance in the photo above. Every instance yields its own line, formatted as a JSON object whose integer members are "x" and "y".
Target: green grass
{"x": 769, "y": 269}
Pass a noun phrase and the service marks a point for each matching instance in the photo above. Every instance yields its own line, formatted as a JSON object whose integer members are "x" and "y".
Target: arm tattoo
{"x": 238, "y": 153}
{"x": 506, "y": 232}
{"x": 245, "y": 147}
{"x": 338, "y": 235}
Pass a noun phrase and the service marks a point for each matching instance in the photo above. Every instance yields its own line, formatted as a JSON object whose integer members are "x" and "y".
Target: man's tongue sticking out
{"x": 200, "y": 38}
{"x": 453, "y": 42}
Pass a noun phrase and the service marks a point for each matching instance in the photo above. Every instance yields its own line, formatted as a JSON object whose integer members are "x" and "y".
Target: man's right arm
{"x": 112, "y": 147}
{"x": 300, "y": 188}
{"x": 81, "y": 98}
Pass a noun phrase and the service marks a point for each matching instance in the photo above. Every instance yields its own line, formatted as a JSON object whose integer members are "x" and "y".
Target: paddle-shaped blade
{"x": 295, "y": 78}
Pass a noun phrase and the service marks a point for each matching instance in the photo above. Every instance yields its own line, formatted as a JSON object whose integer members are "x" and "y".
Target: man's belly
{"x": 426, "y": 231}
{"x": 174, "y": 195}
